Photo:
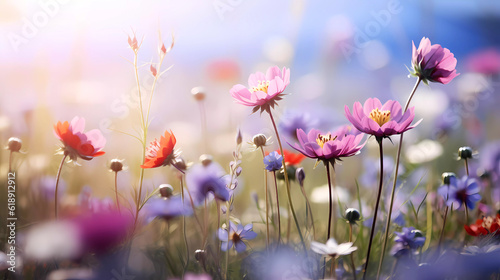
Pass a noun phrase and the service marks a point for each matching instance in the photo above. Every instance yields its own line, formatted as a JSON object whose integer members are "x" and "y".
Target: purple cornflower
{"x": 273, "y": 161}
{"x": 204, "y": 179}
{"x": 236, "y": 235}
{"x": 168, "y": 208}
{"x": 461, "y": 191}
{"x": 410, "y": 237}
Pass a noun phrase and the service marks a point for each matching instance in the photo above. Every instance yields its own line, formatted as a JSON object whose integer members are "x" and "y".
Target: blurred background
{"x": 61, "y": 59}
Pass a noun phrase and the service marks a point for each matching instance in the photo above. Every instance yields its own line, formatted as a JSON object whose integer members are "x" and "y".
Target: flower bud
{"x": 259, "y": 140}
{"x": 116, "y": 165}
{"x": 14, "y": 144}
{"x": 447, "y": 177}
{"x": 300, "y": 175}
{"x": 206, "y": 159}
{"x": 418, "y": 233}
{"x": 239, "y": 137}
{"x": 153, "y": 70}
{"x": 200, "y": 255}
{"x": 464, "y": 152}
{"x": 166, "y": 190}
{"x": 352, "y": 215}
{"x": 180, "y": 164}
{"x": 198, "y": 93}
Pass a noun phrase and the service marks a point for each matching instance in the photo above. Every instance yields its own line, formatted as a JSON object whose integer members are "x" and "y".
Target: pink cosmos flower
{"x": 327, "y": 147}
{"x": 78, "y": 144}
{"x": 433, "y": 62}
{"x": 380, "y": 120}
{"x": 264, "y": 90}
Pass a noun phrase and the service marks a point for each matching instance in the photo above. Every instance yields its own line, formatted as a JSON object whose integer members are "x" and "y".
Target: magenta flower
{"x": 433, "y": 62}
{"x": 327, "y": 147}
{"x": 380, "y": 120}
{"x": 264, "y": 90}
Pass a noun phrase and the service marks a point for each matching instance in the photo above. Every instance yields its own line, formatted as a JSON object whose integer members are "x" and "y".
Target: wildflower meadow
{"x": 241, "y": 140}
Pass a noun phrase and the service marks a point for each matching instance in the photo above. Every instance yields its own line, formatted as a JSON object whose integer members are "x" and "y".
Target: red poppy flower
{"x": 160, "y": 153}
{"x": 292, "y": 159}
{"x": 484, "y": 226}
{"x": 78, "y": 144}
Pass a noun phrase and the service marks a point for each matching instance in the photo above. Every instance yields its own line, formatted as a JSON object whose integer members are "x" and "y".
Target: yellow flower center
{"x": 322, "y": 139}
{"x": 262, "y": 86}
{"x": 380, "y": 117}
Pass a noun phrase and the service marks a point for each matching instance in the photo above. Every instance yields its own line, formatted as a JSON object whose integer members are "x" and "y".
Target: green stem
{"x": 277, "y": 206}
{"x": 442, "y": 230}
{"x": 57, "y": 184}
{"x": 184, "y": 226}
{"x": 398, "y": 158}
{"x": 267, "y": 201}
{"x": 330, "y": 200}
{"x": 116, "y": 192}
{"x": 352, "y": 254}
{"x": 379, "y": 140}
{"x": 287, "y": 182}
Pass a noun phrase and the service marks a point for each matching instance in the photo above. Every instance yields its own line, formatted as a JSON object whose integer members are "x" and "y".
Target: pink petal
{"x": 273, "y": 72}
{"x": 77, "y": 125}
{"x": 96, "y": 139}
{"x": 254, "y": 79}
{"x": 286, "y": 76}
{"x": 370, "y": 104}
{"x": 394, "y": 107}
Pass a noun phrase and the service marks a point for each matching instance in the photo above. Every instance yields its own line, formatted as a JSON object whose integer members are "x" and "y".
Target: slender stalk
{"x": 466, "y": 166}
{"x": 379, "y": 140}
{"x": 218, "y": 225}
{"x": 277, "y": 206}
{"x": 116, "y": 192}
{"x": 203, "y": 116}
{"x": 287, "y": 182}
{"x": 330, "y": 199}
{"x": 144, "y": 144}
{"x": 308, "y": 206}
{"x": 184, "y": 227}
{"x": 466, "y": 215}
{"x": 205, "y": 223}
{"x": 227, "y": 248}
{"x": 267, "y": 201}
{"x": 442, "y": 230}
{"x": 10, "y": 161}
{"x": 57, "y": 184}
{"x": 398, "y": 158}
{"x": 288, "y": 224}
{"x": 352, "y": 254}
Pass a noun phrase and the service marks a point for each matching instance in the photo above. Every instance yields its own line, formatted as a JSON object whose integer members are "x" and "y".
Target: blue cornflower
{"x": 273, "y": 161}
{"x": 236, "y": 235}
{"x": 461, "y": 191}
{"x": 410, "y": 238}
{"x": 168, "y": 208}
{"x": 202, "y": 180}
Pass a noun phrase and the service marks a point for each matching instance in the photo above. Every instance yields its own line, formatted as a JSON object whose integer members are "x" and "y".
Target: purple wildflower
{"x": 202, "y": 180}
{"x": 273, "y": 161}
{"x": 168, "y": 208}
{"x": 236, "y": 235}
{"x": 461, "y": 191}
